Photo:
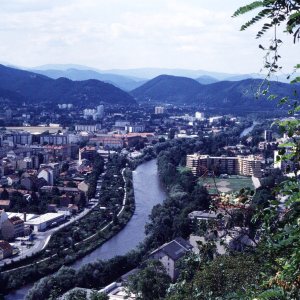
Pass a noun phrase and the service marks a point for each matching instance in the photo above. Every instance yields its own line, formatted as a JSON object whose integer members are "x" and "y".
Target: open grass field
{"x": 226, "y": 185}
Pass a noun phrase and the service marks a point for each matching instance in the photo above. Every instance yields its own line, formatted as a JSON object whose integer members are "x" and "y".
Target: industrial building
{"x": 43, "y": 222}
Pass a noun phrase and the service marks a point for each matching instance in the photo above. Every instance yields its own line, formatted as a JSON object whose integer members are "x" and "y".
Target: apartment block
{"x": 239, "y": 165}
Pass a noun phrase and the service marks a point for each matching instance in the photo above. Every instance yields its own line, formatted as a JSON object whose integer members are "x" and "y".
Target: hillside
{"x": 39, "y": 88}
{"x": 122, "y": 82}
{"x": 206, "y": 79}
{"x": 168, "y": 89}
{"x": 240, "y": 95}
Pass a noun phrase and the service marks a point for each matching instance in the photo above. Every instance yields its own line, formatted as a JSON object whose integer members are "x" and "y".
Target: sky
{"x": 125, "y": 34}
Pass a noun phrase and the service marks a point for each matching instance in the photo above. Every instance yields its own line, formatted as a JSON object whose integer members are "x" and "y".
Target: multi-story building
{"x": 18, "y": 137}
{"x": 239, "y": 165}
{"x": 268, "y": 135}
{"x": 90, "y": 128}
{"x": 134, "y": 128}
{"x": 199, "y": 115}
{"x": 54, "y": 139}
{"x": 170, "y": 253}
{"x": 87, "y": 152}
{"x": 108, "y": 141}
{"x": 159, "y": 110}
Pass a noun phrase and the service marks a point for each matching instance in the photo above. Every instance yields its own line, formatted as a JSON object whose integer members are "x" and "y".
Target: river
{"x": 148, "y": 192}
{"x": 248, "y": 129}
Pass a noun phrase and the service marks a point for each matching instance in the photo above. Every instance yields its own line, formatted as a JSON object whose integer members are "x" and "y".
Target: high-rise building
{"x": 268, "y": 135}
{"x": 100, "y": 111}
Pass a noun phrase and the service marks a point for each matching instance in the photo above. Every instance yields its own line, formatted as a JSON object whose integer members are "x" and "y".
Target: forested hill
{"x": 168, "y": 89}
{"x": 223, "y": 94}
{"x": 38, "y": 88}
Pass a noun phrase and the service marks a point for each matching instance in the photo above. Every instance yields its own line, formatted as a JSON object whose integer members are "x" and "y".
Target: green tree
{"x": 76, "y": 294}
{"x": 150, "y": 283}
{"x": 99, "y": 296}
{"x": 280, "y": 240}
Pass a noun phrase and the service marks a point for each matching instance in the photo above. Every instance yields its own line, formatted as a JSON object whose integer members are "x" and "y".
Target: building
{"x": 159, "y": 110}
{"x": 4, "y": 204}
{"x": 87, "y": 152}
{"x": 268, "y": 135}
{"x": 19, "y": 137}
{"x": 3, "y": 217}
{"x": 100, "y": 112}
{"x": 13, "y": 227}
{"x": 134, "y": 128}
{"x": 238, "y": 165}
{"x": 89, "y": 128}
{"x": 249, "y": 166}
{"x": 6, "y": 250}
{"x": 47, "y": 174}
{"x": 169, "y": 253}
{"x": 108, "y": 141}
{"x": 54, "y": 139}
{"x": 44, "y": 221}
{"x": 199, "y": 115}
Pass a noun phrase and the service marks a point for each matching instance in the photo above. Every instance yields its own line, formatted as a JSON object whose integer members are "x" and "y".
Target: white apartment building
{"x": 239, "y": 165}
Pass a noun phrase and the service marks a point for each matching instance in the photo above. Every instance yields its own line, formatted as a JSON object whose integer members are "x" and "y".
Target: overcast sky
{"x": 107, "y": 34}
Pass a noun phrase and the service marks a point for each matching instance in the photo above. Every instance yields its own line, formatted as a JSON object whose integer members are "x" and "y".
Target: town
{"x": 54, "y": 172}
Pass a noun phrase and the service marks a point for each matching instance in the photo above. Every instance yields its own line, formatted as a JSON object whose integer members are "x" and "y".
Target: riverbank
{"x": 113, "y": 261}
{"x": 40, "y": 266}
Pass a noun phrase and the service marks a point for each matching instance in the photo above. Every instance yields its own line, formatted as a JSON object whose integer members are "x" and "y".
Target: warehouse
{"x": 43, "y": 222}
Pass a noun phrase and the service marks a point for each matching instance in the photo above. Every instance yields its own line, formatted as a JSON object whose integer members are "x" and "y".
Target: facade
{"x": 199, "y": 115}
{"x": 108, "y": 141}
{"x": 87, "y": 152}
{"x": 6, "y": 250}
{"x": 18, "y": 138}
{"x": 47, "y": 174}
{"x": 169, "y": 253}
{"x": 43, "y": 222}
{"x": 89, "y": 128}
{"x": 54, "y": 139}
{"x": 268, "y": 135}
{"x": 159, "y": 110}
{"x": 134, "y": 128}
{"x": 7, "y": 230}
{"x": 239, "y": 165}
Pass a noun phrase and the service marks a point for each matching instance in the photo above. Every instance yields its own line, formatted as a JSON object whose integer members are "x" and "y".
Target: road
{"x": 41, "y": 239}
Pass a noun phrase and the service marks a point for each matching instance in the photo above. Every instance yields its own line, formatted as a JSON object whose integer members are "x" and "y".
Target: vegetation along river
{"x": 148, "y": 192}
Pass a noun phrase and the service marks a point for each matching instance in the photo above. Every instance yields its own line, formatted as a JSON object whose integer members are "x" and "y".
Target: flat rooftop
{"x": 44, "y": 218}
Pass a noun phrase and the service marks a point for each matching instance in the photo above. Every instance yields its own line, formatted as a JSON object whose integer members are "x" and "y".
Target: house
{"x": 64, "y": 201}
{"x": 7, "y": 230}
{"x": 4, "y": 204}
{"x": 169, "y": 253}
{"x": 12, "y": 228}
{"x": 47, "y": 174}
{"x": 18, "y": 226}
{"x": 6, "y": 250}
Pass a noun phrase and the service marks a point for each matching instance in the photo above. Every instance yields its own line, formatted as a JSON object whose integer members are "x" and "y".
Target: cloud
{"x": 128, "y": 33}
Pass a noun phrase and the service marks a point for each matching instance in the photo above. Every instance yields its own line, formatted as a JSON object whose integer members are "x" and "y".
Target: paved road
{"x": 42, "y": 239}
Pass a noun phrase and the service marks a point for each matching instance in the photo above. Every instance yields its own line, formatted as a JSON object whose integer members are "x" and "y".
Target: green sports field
{"x": 226, "y": 185}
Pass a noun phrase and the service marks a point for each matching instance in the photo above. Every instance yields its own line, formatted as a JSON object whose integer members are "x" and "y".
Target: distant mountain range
{"x": 122, "y": 82}
{"x": 18, "y": 85}
{"x": 140, "y": 75}
{"x": 240, "y": 95}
